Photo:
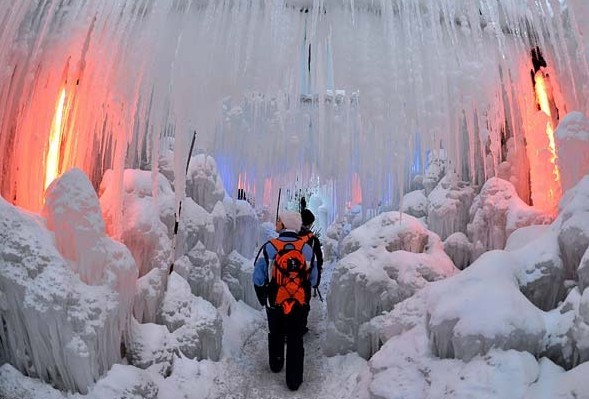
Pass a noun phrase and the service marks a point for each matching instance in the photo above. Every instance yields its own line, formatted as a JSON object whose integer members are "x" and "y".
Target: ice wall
{"x": 337, "y": 89}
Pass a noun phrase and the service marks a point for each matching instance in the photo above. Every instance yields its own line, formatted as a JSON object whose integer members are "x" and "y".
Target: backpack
{"x": 289, "y": 283}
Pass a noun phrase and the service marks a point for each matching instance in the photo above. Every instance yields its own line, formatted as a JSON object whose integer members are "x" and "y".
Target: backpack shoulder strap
{"x": 277, "y": 244}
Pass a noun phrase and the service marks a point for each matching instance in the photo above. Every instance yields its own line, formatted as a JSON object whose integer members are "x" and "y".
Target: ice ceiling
{"x": 352, "y": 92}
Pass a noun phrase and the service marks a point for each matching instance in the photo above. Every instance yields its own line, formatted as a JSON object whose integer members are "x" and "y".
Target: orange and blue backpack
{"x": 290, "y": 277}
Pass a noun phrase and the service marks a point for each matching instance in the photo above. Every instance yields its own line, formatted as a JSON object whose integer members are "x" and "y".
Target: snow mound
{"x": 554, "y": 382}
{"x": 126, "y": 382}
{"x": 495, "y": 213}
{"x": 458, "y": 330}
{"x": 387, "y": 260}
{"x": 415, "y": 204}
{"x": 151, "y": 345}
{"x": 194, "y": 322}
{"x": 404, "y": 368}
{"x": 14, "y": 385}
{"x": 541, "y": 276}
{"x": 406, "y": 315}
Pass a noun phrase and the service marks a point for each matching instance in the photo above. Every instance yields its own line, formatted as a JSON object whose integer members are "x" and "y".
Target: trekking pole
{"x": 177, "y": 221}
{"x": 317, "y": 292}
{"x": 278, "y": 205}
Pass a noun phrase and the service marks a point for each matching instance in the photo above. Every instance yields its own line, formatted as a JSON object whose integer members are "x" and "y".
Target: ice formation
{"x": 202, "y": 269}
{"x": 448, "y": 206}
{"x": 194, "y": 322}
{"x": 415, "y": 204}
{"x": 533, "y": 274}
{"x": 68, "y": 288}
{"x": 572, "y": 139}
{"x": 459, "y": 249}
{"x": 380, "y": 267}
{"x": 241, "y": 218}
{"x": 237, "y": 274}
{"x": 496, "y": 212}
{"x": 338, "y": 94}
{"x": 146, "y": 216}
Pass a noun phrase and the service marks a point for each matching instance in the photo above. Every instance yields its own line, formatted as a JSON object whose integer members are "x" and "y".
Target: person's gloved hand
{"x": 262, "y": 294}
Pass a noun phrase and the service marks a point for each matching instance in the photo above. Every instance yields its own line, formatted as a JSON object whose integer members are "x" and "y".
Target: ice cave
{"x": 146, "y": 147}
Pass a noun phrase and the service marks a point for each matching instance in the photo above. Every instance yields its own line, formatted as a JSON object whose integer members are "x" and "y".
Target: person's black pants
{"x": 292, "y": 327}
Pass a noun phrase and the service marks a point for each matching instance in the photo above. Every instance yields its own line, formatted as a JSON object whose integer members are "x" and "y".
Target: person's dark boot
{"x": 275, "y": 352}
{"x": 293, "y": 386}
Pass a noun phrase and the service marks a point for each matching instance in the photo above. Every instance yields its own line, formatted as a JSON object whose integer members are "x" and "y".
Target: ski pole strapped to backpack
{"x": 289, "y": 282}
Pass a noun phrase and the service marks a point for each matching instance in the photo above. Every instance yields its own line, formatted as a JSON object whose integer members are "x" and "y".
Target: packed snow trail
{"x": 248, "y": 375}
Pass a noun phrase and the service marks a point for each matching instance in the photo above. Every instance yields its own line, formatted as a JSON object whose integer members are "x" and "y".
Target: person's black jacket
{"x": 314, "y": 242}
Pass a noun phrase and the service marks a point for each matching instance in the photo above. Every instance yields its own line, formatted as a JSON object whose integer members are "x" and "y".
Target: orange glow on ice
{"x": 52, "y": 162}
{"x": 543, "y": 100}
{"x": 548, "y": 176}
{"x": 542, "y": 93}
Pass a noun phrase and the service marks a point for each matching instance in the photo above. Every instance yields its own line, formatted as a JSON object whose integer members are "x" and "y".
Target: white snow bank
{"x": 458, "y": 329}
{"x": 541, "y": 276}
{"x": 404, "y": 369}
{"x": 388, "y": 259}
{"x": 554, "y": 382}
{"x": 190, "y": 379}
{"x": 496, "y": 212}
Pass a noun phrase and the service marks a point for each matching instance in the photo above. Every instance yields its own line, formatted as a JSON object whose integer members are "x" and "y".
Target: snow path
{"x": 248, "y": 376}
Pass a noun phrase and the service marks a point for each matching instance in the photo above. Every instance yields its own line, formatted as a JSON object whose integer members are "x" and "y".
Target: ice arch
{"x": 352, "y": 91}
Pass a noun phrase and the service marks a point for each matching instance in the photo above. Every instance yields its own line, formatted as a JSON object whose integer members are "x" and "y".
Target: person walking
{"x": 284, "y": 271}
{"x": 308, "y": 218}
